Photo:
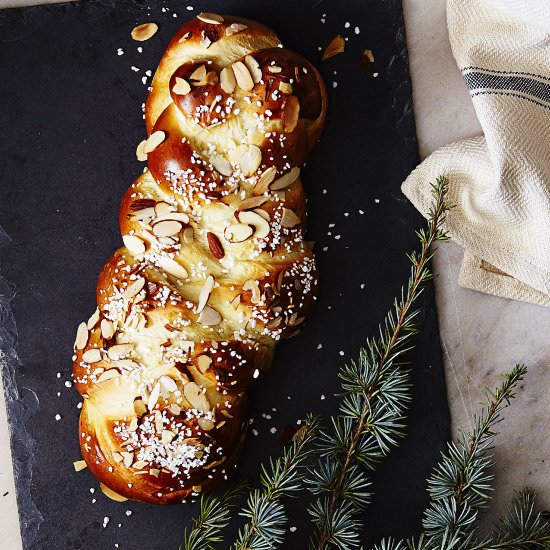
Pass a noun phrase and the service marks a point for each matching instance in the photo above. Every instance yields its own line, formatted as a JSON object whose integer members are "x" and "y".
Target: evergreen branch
{"x": 265, "y": 513}
{"x": 460, "y": 484}
{"x": 376, "y": 396}
{"x": 215, "y": 514}
{"x": 522, "y": 529}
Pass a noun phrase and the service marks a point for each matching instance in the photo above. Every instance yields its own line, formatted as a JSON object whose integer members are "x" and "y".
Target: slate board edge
{"x": 20, "y": 402}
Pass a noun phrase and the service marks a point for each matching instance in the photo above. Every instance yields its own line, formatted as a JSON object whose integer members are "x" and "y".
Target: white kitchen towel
{"x": 500, "y": 182}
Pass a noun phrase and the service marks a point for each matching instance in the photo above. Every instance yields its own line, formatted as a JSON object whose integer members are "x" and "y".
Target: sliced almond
{"x": 336, "y": 45}
{"x": 172, "y": 267}
{"x": 274, "y": 323}
{"x": 289, "y": 219}
{"x": 174, "y": 216}
{"x": 92, "y": 321}
{"x": 109, "y": 374}
{"x": 144, "y": 32}
{"x": 205, "y": 424}
{"x": 153, "y": 141}
{"x": 144, "y": 213}
{"x": 209, "y": 316}
{"x": 133, "y": 426}
{"x": 196, "y": 397}
{"x": 163, "y": 208}
{"x": 159, "y": 424}
{"x": 109, "y": 493}
{"x": 291, "y": 114}
{"x": 221, "y": 164}
{"x": 79, "y": 465}
{"x": 205, "y": 41}
{"x": 203, "y": 363}
{"x": 286, "y": 179}
{"x": 139, "y": 407}
{"x": 181, "y": 87}
{"x": 227, "y": 80}
{"x": 254, "y": 68}
{"x": 266, "y": 177}
{"x": 254, "y": 287}
{"x": 81, "y": 336}
{"x": 251, "y": 203}
{"x": 134, "y": 288}
{"x": 198, "y": 75}
{"x": 139, "y": 204}
{"x": 107, "y": 329}
{"x": 285, "y": 87}
{"x": 154, "y": 397}
{"x": 235, "y": 28}
{"x": 204, "y": 294}
{"x": 141, "y": 155}
{"x": 127, "y": 458}
{"x": 368, "y": 56}
{"x": 236, "y": 301}
{"x": 134, "y": 244}
{"x": 140, "y": 464}
{"x": 238, "y": 232}
{"x": 236, "y": 154}
{"x": 117, "y": 457}
{"x": 126, "y": 364}
{"x": 261, "y": 226}
{"x": 261, "y": 212}
{"x": 167, "y": 436}
{"x": 119, "y": 351}
{"x": 243, "y": 76}
{"x": 250, "y": 160}
{"x": 175, "y": 409}
{"x": 167, "y": 228}
{"x": 167, "y": 384}
{"x": 215, "y": 245}
{"x": 211, "y": 18}
{"x": 275, "y": 69}
{"x": 91, "y": 356}
{"x": 212, "y": 78}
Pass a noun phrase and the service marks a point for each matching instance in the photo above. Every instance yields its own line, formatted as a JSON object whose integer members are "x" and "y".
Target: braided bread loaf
{"x": 214, "y": 270}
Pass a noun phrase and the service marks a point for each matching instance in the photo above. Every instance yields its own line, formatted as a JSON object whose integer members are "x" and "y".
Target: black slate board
{"x": 70, "y": 121}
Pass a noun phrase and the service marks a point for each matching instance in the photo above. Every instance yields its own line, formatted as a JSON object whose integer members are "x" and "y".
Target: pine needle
{"x": 376, "y": 394}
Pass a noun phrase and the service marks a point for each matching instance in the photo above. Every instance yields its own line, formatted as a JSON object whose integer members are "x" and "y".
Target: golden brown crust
{"x": 214, "y": 270}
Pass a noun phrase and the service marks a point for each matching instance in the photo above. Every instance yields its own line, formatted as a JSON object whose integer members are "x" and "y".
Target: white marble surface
{"x": 481, "y": 335}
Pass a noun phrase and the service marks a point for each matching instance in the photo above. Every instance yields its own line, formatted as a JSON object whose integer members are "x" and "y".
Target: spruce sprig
{"x": 215, "y": 514}
{"x": 460, "y": 485}
{"x": 265, "y": 513}
{"x": 376, "y": 394}
{"x": 522, "y": 528}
